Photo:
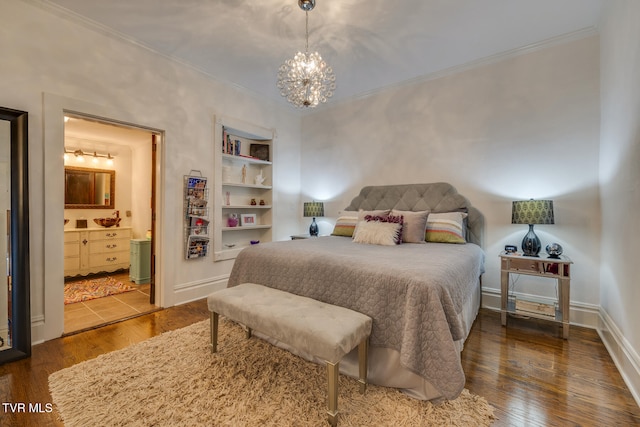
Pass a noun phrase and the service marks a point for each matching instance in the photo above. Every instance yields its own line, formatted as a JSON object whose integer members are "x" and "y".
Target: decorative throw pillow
{"x": 381, "y": 212}
{"x": 378, "y": 233}
{"x": 345, "y": 225}
{"x": 447, "y": 227}
{"x": 414, "y": 225}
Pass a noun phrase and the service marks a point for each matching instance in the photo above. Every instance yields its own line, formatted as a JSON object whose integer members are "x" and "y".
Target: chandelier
{"x": 306, "y": 80}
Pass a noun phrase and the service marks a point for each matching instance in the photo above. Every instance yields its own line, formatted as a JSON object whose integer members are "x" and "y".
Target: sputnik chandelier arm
{"x": 306, "y": 80}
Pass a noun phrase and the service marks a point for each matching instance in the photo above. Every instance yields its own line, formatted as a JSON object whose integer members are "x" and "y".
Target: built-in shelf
{"x": 244, "y": 159}
{"x": 246, "y": 207}
{"x": 243, "y": 167}
{"x": 239, "y": 185}
{"x": 247, "y": 227}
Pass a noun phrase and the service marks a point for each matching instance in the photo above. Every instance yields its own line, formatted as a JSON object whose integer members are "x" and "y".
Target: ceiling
{"x": 370, "y": 44}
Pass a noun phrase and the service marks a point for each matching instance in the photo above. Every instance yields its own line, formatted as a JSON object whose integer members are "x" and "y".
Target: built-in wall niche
{"x": 87, "y": 188}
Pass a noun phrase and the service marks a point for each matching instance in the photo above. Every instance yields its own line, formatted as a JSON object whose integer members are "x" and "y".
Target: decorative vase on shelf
{"x": 232, "y": 221}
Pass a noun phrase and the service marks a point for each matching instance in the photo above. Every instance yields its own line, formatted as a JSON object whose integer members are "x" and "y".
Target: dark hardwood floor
{"x": 526, "y": 371}
{"x": 533, "y": 377}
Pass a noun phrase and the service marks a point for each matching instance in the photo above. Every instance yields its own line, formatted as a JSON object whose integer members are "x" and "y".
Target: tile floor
{"x": 96, "y": 312}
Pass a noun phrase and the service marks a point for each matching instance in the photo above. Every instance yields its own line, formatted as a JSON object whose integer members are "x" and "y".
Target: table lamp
{"x": 313, "y": 209}
{"x": 532, "y": 212}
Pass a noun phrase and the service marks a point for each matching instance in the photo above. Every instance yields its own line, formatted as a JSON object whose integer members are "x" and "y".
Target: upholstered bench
{"x": 323, "y": 330}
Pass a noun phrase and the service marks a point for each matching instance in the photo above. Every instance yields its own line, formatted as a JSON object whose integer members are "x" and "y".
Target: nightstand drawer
{"x": 522, "y": 264}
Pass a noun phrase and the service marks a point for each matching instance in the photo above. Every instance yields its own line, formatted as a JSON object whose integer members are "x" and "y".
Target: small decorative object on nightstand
{"x": 554, "y": 250}
{"x": 532, "y": 212}
{"x": 313, "y": 209}
{"x": 557, "y": 268}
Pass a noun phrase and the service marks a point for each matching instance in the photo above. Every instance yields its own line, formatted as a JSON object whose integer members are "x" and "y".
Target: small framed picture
{"x": 259, "y": 151}
{"x": 247, "y": 220}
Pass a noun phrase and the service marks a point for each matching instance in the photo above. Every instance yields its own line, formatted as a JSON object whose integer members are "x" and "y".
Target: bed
{"x": 423, "y": 298}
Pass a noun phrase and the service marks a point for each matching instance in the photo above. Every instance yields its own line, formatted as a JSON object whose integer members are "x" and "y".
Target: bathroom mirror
{"x": 86, "y": 188}
{"x": 15, "y": 320}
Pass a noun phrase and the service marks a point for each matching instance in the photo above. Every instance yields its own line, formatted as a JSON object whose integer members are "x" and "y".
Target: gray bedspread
{"x": 413, "y": 292}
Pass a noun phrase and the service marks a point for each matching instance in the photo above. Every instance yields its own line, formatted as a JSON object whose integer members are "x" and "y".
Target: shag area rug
{"x": 174, "y": 380}
{"x": 85, "y": 290}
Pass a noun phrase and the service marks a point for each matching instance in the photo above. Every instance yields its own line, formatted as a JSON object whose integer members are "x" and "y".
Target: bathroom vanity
{"x": 96, "y": 250}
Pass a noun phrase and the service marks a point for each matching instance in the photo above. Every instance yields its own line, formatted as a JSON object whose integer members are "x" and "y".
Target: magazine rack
{"x": 196, "y": 214}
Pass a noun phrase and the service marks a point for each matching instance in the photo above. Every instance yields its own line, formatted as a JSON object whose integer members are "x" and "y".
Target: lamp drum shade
{"x": 313, "y": 209}
{"x": 532, "y": 212}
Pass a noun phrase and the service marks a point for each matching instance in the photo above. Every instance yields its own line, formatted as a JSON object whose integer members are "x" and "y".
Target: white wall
{"x": 523, "y": 127}
{"x": 52, "y": 62}
{"x": 620, "y": 187}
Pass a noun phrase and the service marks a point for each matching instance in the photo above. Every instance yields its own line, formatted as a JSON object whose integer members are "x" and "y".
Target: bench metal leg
{"x": 332, "y": 377}
{"x": 363, "y": 350}
{"x": 214, "y": 331}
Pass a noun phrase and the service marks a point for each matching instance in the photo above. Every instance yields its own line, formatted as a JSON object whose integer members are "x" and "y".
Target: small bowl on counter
{"x": 107, "y": 222}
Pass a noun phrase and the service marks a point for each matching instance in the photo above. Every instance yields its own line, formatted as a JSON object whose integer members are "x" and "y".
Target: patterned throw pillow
{"x": 345, "y": 225}
{"x": 381, "y": 212}
{"x": 446, "y": 227}
{"x": 414, "y": 225}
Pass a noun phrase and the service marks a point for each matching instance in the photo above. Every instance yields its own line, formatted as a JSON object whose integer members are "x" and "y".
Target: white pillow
{"x": 378, "y": 233}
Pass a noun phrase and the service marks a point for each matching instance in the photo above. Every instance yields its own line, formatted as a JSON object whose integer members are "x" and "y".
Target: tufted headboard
{"x": 434, "y": 197}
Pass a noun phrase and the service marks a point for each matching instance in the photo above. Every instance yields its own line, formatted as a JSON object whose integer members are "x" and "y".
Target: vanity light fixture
{"x": 80, "y": 155}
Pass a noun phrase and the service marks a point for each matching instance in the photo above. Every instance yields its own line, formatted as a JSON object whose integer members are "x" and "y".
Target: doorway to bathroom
{"x": 108, "y": 233}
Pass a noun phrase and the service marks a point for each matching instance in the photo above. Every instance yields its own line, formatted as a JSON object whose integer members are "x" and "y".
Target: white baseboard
{"x": 624, "y": 356}
{"x": 192, "y": 291}
{"x": 37, "y": 330}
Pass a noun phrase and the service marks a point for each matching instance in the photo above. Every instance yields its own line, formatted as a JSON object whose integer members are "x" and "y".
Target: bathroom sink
{"x": 107, "y": 222}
